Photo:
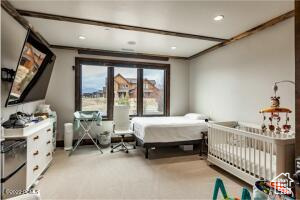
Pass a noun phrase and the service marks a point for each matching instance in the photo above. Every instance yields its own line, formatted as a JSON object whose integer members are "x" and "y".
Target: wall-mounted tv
{"x": 33, "y": 72}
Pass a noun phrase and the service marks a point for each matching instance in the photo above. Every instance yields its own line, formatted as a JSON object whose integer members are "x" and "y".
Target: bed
{"x": 169, "y": 131}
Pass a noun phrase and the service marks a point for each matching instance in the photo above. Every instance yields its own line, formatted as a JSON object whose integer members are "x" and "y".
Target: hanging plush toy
{"x": 275, "y": 112}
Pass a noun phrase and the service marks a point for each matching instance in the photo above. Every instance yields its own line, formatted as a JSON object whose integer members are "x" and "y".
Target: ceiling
{"x": 66, "y": 33}
{"x": 193, "y": 17}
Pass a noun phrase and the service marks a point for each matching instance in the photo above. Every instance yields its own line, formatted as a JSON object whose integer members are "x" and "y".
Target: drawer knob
{"x": 36, "y": 168}
{"x": 36, "y": 153}
{"x": 36, "y": 137}
{"x": 49, "y": 129}
{"x": 48, "y": 154}
{"x": 49, "y": 142}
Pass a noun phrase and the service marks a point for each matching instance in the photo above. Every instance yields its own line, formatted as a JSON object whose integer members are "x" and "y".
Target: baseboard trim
{"x": 60, "y": 143}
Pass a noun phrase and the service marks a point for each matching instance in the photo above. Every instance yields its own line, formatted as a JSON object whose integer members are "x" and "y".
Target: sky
{"x": 94, "y": 77}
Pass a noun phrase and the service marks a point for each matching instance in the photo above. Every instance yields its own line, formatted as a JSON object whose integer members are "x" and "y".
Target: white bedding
{"x": 168, "y": 129}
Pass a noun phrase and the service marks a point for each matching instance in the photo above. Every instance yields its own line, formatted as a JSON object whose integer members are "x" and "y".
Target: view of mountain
{"x": 88, "y": 90}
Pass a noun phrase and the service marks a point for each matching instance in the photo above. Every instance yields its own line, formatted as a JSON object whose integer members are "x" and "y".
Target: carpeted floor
{"x": 89, "y": 175}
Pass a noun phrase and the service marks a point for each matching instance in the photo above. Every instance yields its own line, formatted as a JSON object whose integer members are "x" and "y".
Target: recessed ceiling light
{"x": 173, "y": 48}
{"x": 219, "y": 18}
{"x": 131, "y": 42}
{"x": 125, "y": 49}
{"x": 107, "y": 29}
{"x": 81, "y": 37}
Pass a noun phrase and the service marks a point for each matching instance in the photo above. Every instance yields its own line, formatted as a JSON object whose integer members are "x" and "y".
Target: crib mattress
{"x": 239, "y": 156}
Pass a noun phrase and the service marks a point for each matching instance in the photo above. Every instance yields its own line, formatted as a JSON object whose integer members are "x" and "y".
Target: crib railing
{"x": 249, "y": 153}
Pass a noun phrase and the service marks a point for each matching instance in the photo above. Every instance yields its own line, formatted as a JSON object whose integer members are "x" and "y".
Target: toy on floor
{"x": 265, "y": 190}
{"x": 219, "y": 185}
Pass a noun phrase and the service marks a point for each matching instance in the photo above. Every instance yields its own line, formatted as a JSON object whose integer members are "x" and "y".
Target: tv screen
{"x": 33, "y": 72}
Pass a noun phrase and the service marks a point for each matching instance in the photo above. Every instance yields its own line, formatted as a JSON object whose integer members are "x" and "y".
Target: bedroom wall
{"x": 12, "y": 39}
{"x": 235, "y": 81}
{"x": 61, "y": 91}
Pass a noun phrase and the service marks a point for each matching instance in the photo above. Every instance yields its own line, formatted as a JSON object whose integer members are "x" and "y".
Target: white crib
{"x": 245, "y": 151}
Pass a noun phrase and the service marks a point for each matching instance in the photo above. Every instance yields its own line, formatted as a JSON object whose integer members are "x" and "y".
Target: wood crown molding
{"x": 14, "y": 13}
{"x": 247, "y": 33}
{"x": 116, "y": 25}
{"x": 100, "y": 52}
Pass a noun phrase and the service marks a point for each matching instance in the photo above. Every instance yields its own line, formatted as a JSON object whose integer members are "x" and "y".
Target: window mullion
{"x": 167, "y": 91}
{"x": 140, "y": 91}
{"x": 110, "y": 92}
{"x": 78, "y": 86}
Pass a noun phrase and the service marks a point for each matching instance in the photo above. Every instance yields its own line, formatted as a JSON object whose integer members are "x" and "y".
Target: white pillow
{"x": 196, "y": 116}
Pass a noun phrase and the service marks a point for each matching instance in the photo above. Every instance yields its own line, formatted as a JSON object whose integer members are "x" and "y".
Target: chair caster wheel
{"x": 111, "y": 146}
{"x": 111, "y": 151}
{"x": 134, "y": 147}
{"x": 127, "y": 151}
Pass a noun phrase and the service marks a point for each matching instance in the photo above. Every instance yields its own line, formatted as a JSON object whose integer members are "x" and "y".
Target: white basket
{"x": 68, "y": 136}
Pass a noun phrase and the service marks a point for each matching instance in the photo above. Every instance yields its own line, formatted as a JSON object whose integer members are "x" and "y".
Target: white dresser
{"x": 39, "y": 147}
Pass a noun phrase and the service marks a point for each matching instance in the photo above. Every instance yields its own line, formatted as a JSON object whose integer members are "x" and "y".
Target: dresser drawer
{"x": 48, "y": 157}
{"x": 33, "y": 140}
{"x": 33, "y": 172}
{"x": 47, "y": 133}
{"x": 49, "y": 130}
{"x": 47, "y": 139}
{"x": 33, "y": 150}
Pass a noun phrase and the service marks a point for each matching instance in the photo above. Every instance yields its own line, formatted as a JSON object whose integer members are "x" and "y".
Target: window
{"x": 125, "y": 88}
{"x": 146, "y": 86}
{"x": 153, "y": 100}
{"x": 94, "y": 88}
{"x": 101, "y": 84}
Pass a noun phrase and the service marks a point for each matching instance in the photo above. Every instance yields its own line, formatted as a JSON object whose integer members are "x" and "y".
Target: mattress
{"x": 168, "y": 129}
{"x": 229, "y": 153}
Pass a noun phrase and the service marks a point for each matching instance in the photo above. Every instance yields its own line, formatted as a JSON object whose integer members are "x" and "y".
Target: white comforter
{"x": 168, "y": 129}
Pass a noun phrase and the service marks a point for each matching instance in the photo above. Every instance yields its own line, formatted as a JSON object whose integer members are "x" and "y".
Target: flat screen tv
{"x": 33, "y": 72}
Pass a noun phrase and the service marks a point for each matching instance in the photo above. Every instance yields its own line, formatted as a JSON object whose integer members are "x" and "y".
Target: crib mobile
{"x": 275, "y": 112}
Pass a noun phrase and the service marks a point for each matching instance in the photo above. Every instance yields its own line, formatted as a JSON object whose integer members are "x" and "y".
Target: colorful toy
{"x": 219, "y": 185}
{"x": 268, "y": 189}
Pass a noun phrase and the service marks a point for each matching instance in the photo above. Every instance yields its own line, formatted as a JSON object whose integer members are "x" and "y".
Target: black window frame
{"x": 110, "y": 64}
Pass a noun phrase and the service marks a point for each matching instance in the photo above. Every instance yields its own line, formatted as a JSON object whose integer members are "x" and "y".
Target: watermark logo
{"x": 282, "y": 184}
{"x": 19, "y": 192}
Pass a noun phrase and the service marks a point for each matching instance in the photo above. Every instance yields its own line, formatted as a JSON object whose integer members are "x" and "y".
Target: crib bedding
{"x": 168, "y": 129}
{"x": 236, "y": 154}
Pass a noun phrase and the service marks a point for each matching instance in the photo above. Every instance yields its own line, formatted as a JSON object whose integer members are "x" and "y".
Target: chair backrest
{"x": 121, "y": 117}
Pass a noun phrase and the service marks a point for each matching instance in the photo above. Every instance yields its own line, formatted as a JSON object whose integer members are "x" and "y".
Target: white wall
{"x": 235, "y": 82}
{"x": 61, "y": 91}
{"x": 12, "y": 40}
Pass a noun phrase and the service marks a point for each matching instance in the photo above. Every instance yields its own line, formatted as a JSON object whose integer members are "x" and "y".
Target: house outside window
{"x": 144, "y": 87}
{"x": 125, "y": 88}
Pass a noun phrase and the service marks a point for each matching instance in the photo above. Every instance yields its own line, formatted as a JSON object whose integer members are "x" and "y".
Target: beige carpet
{"x": 89, "y": 175}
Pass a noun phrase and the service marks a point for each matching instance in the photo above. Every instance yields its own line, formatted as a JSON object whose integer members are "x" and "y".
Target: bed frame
{"x": 200, "y": 142}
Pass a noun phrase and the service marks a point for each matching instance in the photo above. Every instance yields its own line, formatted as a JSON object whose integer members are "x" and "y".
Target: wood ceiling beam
{"x": 100, "y": 52}
{"x": 117, "y": 26}
{"x": 13, "y": 12}
{"x": 247, "y": 33}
